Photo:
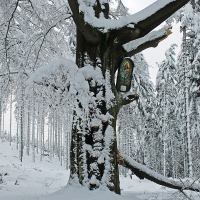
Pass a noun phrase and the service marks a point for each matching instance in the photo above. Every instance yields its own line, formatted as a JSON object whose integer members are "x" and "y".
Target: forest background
{"x": 160, "y": 130}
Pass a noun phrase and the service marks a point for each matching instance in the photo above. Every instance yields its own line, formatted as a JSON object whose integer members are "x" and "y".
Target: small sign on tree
{"x": 125, "y": 75}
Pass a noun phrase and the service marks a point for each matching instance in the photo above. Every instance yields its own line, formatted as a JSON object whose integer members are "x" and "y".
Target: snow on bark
{"x": 110, "y": 97}
{"x": 144, "y": 172}
{"x": 149, "y": 37}
{"x": 107, "y": 24}
{"x": 108, "y": 139}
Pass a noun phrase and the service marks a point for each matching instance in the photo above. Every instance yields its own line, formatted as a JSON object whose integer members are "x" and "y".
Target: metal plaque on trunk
{"x": 125, "y": 75}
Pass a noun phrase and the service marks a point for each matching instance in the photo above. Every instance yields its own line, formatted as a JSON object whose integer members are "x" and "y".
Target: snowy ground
{"x": 46, "y": 180}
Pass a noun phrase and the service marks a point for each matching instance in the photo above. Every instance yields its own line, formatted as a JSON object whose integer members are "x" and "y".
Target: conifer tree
{"x": 166, "y": 95}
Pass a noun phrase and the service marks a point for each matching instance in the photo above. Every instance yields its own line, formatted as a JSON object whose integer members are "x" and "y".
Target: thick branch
{"x": 160, "y": 15}
{"x": 148, "y": 19}
{"x": 90, "y": 33}
{"x": 150, "y": 40}
{"x": 143, "y": 172}
{"x": 126, "y": 28}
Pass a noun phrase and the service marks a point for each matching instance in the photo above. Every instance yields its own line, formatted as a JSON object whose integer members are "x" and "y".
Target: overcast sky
{"x": 157, "y": 54}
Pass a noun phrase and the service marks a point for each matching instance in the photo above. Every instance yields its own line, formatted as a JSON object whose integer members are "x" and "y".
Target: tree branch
{"x": 129, "y": 97}
{"x": 6, "y": 37}
{"x": 43, "y": 39}
{"x": 143, "y": 172}
{"x": 146, "y": 20}
{"x": 90, "y": 33}
{"x": 150, "y": 40}
{"x": 1, "y": 75}
{"x": 127, "y": 28}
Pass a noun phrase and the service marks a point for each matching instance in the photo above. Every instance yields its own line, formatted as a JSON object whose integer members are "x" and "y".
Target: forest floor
{"x": 46, "y": 180}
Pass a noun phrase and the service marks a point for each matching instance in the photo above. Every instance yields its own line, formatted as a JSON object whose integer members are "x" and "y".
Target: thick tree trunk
{"x": 93, "y": 156}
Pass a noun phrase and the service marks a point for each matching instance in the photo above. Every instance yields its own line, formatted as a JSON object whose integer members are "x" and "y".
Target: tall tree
{"x": 166, "y": 96}
{"x": 188, "y": 86}
{"x": 101, "y": 44}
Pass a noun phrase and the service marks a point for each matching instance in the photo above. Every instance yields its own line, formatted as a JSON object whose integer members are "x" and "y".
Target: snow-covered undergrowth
{"x": 46, "y": 180}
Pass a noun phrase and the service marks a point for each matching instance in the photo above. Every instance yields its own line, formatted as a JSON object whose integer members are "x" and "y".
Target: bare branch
{"x": 44, "y": 36}
{"x": 11, "y": 73}
{"x": 6, "y": 37}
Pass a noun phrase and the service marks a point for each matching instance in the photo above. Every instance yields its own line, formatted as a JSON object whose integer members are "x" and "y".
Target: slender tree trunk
{"x": 0, "y": 115}
{"x": 53, "y": 134}
{"x": 21, "y": 124}
{"x": 38, "y": 126}
{"x": 10, "y": 138}
{"x": 17, "y": 134}
{"x": 173, "y": 163}
{"x": 33, "y": 130}
{"x": 187, "y": 112}
{"x": 3, "y": 123}
{"x": 50, "y": 139}
{"x": 28, "y": 129}
{"x": 164, "y": 135}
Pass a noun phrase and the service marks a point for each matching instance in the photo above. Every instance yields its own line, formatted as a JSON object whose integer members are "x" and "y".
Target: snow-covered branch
{"x": 87, "y": 29}
{"x": 126, "y": 28}
{"x": 6, "y": 37}
{"x": 150, "y": 40}
{"x": 44, "y": 36}
{"x": 143, "y": 172}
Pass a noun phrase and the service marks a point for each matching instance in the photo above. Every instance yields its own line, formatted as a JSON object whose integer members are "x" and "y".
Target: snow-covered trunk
{"x": 0, "y": 115}
{"x": 3, "y": 128}
{"x": 61, "y": 143}
{"x": 67, "y": 126}
{"x": 10, "y": 137}
{"x": 17, "y": 133}
{"x": 33, "y": 130}
{"x": 42, "y": 132}
{"x": 38, "y": 126}
{"x": 93, "y": 154}
{"x": 28, "y": 129}
{"x": 50, "y": 136}
{"x": 164, "y": 134}
{"x": 53, "y": 134}
{"x": 172, "y": 149}
{"x": 187, "y": 111}
{"x": 21, "y": 124}
{"x": 56, "y": 133}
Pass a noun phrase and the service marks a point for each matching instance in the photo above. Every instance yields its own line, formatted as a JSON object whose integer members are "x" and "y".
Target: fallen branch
{"x": 144, "y": 172}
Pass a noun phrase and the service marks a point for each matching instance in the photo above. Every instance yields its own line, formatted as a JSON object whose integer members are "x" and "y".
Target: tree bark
{"x": 143, "y": 172}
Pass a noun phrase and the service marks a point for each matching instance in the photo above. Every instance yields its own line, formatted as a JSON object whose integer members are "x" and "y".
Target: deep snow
{"x": 46, "y": 180}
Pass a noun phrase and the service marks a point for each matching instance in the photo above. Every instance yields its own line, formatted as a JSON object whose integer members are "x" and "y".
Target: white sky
{"x": 157, "y": 54}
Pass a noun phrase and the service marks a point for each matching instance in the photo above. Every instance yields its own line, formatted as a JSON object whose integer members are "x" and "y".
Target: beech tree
{"x": 102, "y": 44}
{"x": 85, "y": 90}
